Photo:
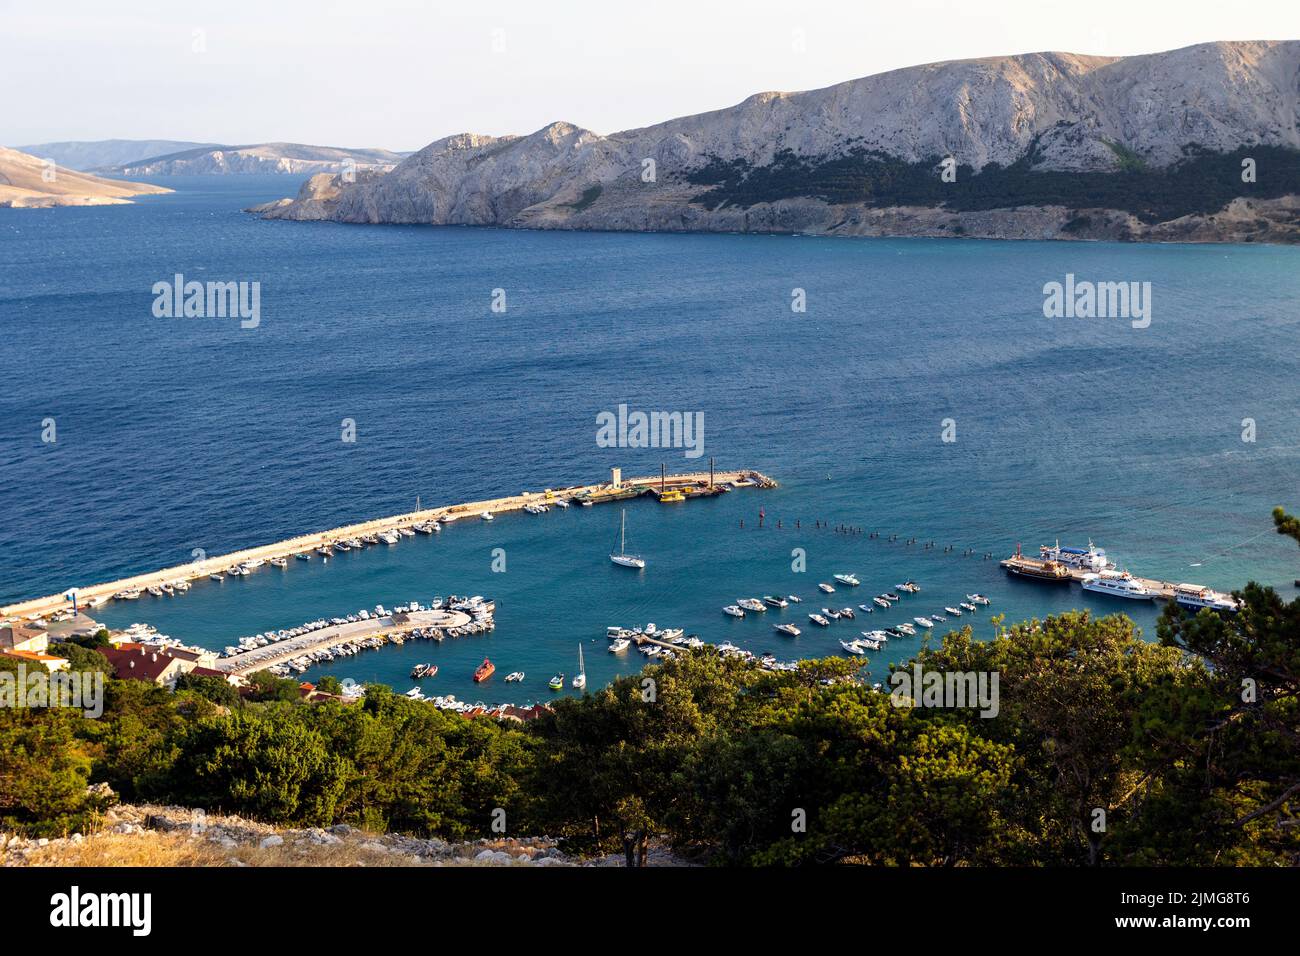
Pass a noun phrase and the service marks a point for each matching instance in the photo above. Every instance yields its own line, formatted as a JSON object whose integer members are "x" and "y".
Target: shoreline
{"x": 706, "y": 482}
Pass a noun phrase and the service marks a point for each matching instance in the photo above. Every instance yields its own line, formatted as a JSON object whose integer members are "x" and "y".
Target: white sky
{"x": 401, "y": 73}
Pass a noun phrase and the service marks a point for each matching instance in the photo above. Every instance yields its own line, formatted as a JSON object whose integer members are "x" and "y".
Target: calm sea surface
{"x": 181, "y": 434}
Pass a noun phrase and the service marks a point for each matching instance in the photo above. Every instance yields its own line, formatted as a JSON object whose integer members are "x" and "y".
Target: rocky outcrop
{"x": 1057, "y": 113}
{"x": 176, "y": 836}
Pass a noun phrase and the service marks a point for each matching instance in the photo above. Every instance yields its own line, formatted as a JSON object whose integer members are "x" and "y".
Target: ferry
{"x": 788, "y": 629}
{"x": 827, "y": 588}
{"x": 733, "y": 611}
{"x": 1118, "y": 584}
{"x": 484, "y": 671}
{"x": 1196, "y": 597}
{"x": 773, "y": 601}
{"x": 1091, "y": 558}
{"x": 847, "y": 579}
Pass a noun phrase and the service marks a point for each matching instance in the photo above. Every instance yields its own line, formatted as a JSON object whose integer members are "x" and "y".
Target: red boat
{"x": 485, "y": 670}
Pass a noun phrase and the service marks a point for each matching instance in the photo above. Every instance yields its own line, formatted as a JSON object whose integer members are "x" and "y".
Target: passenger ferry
{"x": 1118, "y": 584}
{"x": 1091, "y": 558}
{"x": 1196, "y": 596}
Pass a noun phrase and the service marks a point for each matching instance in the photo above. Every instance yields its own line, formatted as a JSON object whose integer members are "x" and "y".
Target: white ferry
{"x": 1119, "y": 584}
{"x": 1091, "y": 558}
{"x": 1196, "y": 596}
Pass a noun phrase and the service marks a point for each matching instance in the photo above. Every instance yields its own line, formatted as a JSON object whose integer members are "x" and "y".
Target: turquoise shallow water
{"x": 174, "y": 435}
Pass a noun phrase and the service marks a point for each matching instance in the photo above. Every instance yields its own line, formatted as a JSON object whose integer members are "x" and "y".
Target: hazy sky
{"x": 401, "y": 73}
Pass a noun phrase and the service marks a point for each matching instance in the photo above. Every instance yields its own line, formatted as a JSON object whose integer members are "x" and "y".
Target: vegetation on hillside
{"x": 1202, "y": 182}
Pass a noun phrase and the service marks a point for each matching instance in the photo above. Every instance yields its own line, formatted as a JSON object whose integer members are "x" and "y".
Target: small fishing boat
{"x": 733, "y": 610}
{"x": 484, "y": 671}
{"x": 788, "y": 629}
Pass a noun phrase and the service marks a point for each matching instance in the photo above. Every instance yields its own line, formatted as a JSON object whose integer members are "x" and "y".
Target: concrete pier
{"x": 703, "y": 483}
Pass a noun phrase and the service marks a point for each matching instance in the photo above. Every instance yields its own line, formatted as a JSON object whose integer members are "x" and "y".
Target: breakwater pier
{"x": 175, "y": 579}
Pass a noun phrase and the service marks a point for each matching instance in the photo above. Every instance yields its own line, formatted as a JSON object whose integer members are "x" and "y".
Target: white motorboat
{"x": 514, "y": 677}
{"x": 752, "y": 604}
{"x": 1118, "y": 584}
{"x": 953, "y": 611}
{"x": 978, "y": 599}
{"x": 819, "y": 620}
{"x": 826, "y": 588}
{"x": 847, "y": 579}
{"x": 487, "y": 516}
{"x": 794, "y": 599}
{"x": 925, "y": 622}
{"x": 618, "y": 645}
{"x": 788, "y": 629}
{"x": 852, "y": 647}
{"x": 733, "y": 610}
{"x": 967, "y": 606}
{"x": 773, "y": 600}
{"x": 621, "y": 557}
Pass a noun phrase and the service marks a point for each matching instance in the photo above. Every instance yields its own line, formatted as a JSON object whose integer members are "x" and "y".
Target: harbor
{"x": 177, "y": 579}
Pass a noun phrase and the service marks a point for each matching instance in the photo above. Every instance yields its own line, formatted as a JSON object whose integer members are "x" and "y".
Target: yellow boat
{"x": 668, "y": 497}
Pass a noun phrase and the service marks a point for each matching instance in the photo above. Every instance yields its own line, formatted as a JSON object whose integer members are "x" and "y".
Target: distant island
{"x": 28, "y": 181}
{"x": 288, "y": 158}
{"x": 1200, "y": 144}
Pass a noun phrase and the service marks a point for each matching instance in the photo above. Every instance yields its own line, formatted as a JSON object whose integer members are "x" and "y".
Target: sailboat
{"x": 580, "y": 681}
{"x": 622, "y": 557}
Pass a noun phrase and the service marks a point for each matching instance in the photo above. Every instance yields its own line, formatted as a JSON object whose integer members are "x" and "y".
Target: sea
{"x": 911, "y": 388}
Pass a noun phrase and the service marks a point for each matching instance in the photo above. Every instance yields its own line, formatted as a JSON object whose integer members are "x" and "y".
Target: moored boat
{"x": 484, "y": 671}
{"x": 1118, "y": 584}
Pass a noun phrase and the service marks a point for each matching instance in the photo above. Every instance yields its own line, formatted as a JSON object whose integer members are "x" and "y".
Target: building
{"x": 20, "y": 637}
{"x": 48, "y": 661}
{"x": 154, "y": 664}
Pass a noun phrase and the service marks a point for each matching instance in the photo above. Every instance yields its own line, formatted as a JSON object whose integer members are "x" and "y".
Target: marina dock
{"x": 688, "y": 486}
{"x": 282, "y": 652}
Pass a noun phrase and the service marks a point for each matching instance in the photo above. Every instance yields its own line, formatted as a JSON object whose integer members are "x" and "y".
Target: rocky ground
{"x": 135, "y": 835}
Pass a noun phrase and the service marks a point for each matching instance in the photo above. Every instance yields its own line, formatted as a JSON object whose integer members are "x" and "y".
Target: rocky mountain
{"x": 261, "y": 158}
{"x": 1042, "y": 145}
{"x": 104, "y": 153}
{"x": 30, "y": 181}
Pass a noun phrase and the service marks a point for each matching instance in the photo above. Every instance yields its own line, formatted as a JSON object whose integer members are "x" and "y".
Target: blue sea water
{"x": 176, "y": 434}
